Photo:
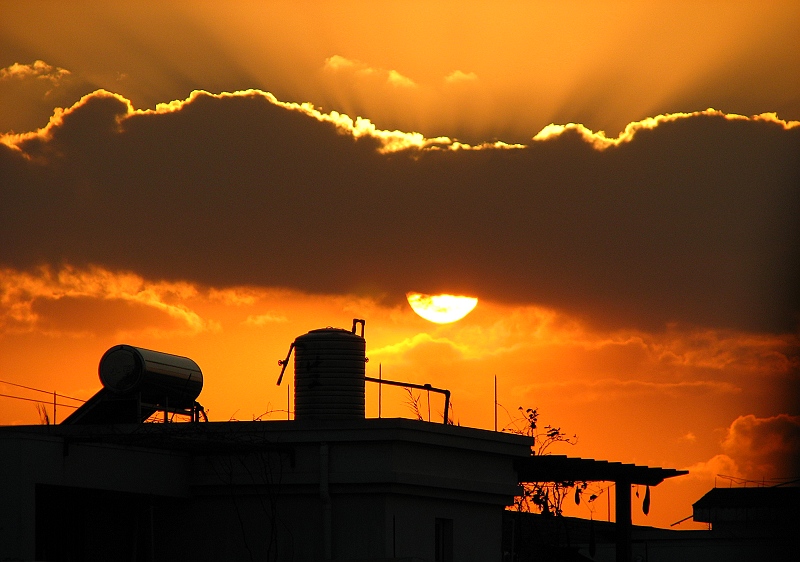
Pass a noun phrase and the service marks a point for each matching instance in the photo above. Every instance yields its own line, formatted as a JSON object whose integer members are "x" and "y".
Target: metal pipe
{"x": 357, "y": 321}
{"x": 283, "y": 363}
{"x": 419, "y": 387}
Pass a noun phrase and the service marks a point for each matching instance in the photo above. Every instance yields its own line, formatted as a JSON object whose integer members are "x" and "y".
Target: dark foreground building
{"x": 530, "y": 537}
{"x": 377, "y": 489}
{"x": 328, "y": 485}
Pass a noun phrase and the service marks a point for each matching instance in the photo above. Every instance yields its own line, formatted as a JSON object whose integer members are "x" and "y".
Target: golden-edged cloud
{"x": 600, "y": 141}
{"x": 532, "y": 69}
{"x": 121, "y": 108}
{"x": 29, "y": 92}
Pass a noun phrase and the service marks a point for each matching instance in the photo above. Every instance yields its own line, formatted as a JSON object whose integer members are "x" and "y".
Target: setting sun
{"x": 441, "y": 309}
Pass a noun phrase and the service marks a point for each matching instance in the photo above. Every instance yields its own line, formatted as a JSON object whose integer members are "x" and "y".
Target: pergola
{"x": 559, "y": 468}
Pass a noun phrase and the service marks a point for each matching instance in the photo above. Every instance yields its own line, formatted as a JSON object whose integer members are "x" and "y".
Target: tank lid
{"x": 329, "y": 329}
{"x": 339, "y": 331}
{"x": 120, "y": 368}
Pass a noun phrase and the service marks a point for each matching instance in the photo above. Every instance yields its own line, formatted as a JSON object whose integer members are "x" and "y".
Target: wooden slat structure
{"x": 560, "y": 468}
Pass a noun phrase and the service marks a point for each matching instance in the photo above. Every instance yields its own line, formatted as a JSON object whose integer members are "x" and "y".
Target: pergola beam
{"x": 560, "y": 468}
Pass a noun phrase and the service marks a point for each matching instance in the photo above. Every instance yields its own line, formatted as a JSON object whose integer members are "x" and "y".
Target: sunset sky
{"x": 618, "y": 183}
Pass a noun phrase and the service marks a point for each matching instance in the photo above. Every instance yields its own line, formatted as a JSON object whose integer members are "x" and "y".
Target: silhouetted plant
{"x": 413, "y": 402}
{"x": 44, "y": 417}
{"x": 544, "y": 497}
{"x": 450, "y": 419}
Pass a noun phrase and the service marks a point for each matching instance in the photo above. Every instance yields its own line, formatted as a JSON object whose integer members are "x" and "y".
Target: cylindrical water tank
{"x": 161, "y": 378}
{"x": 329, "y": 370}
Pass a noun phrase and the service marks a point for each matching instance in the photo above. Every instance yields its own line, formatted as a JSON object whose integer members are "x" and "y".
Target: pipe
{"x": 325, "y": 496}
{"x": 420, "y": 387}
{"x": 283, "y": 363}
{"x": 357, "y": 321}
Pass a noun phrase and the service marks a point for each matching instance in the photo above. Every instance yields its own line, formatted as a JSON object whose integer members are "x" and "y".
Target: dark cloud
{"x": 765, "y": 447}
{"x": 89, "y": 315}
{"x": 693, "y": 221}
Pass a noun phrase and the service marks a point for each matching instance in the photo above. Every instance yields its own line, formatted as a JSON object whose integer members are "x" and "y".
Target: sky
{"x": 618, "y": 183}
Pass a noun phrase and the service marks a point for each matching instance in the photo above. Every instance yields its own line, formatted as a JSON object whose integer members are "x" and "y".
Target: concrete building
{"x": 377, "y": 489}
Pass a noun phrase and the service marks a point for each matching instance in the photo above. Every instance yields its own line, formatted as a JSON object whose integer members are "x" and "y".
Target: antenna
{"x": 495, "y": 402}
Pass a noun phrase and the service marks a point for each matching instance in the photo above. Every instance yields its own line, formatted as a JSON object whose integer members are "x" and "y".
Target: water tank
{"x": 159, "y": 378}
{"x": 329, "y": 370}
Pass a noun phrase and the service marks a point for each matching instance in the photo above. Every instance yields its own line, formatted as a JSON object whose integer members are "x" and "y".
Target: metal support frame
{"x": 193, "y": 413}
{"x": 624, "y": 550}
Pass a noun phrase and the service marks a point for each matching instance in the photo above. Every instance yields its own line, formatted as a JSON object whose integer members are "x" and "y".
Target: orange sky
{"x": 638, "y": 286}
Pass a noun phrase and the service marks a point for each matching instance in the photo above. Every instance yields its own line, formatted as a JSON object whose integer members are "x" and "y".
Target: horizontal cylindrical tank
{"x": 329, "y": 370}
{"x": 160, "y": 378}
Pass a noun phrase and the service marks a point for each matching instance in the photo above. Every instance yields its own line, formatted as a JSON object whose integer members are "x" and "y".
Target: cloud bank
{"x": 693, "y": 219}
{"x": 756, "y": 448}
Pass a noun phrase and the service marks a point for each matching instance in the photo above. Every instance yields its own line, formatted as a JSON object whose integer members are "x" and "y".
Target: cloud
{"x": 234, "y": 296}
{"x": 458, "y": 76}
{"x": 38, "y": 69}
{"x": 756, "y": 449}
{"x": 739, "y": 60}
{"x": 49, "y": 301}
{"x": 725, "y": 350}
{"x": 441, "y": 345}
{"x": 358, "y": 69}
{"x": 605, "y": 389}
{"x": 764, "y": 447}
{"x": 28, "y": 93}
{"x": 693, "y": 219}
{"x": 260, "y": 320}
{"x": 397, "y": 79}
{"x": 717, "y": 465}
{"x": 338, "y": 62}
{"x": 600, "y": 141}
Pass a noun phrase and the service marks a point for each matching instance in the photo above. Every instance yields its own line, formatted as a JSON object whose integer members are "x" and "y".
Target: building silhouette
{"x": 330, "y": 484}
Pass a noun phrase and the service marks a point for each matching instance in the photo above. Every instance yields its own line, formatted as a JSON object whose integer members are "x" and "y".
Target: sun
{"x": 441, "y": 309}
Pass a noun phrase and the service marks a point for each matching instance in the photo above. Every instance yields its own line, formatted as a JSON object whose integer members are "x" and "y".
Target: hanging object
{"x": 646, "y": 502}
